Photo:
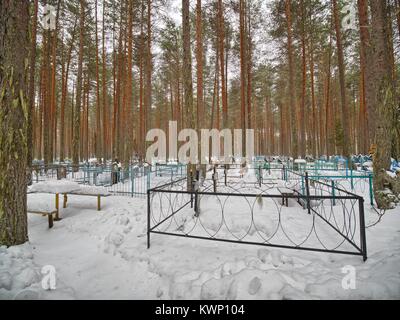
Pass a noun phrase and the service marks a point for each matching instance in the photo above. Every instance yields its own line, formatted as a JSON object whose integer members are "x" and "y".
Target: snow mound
{"x": 17, "y": 270}
{"x": 21, "y": 277}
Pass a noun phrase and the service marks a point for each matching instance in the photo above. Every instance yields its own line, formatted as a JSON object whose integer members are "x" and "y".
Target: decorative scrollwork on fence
{"x": 309, "y": 215}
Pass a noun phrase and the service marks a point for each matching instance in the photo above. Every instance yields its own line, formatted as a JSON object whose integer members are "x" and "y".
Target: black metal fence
{"x": 296, "y": 213}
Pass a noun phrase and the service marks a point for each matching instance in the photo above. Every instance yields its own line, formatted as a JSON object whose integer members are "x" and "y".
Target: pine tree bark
{"x": 221, "y": 42}
{"x": 249, "y": 66}
{"x": 149, "y": 71}
{"x": 315, "y": 137}
{"x": 129, "y": 79}
{"x": 386, "y": 101}
{"x": 243, "y": 72}
{"x": 292, "y": 87}
{"x": 199, "y": 58}
{"x": 367, "y": 75}
{"x": 64, "y": 94}
{"x": 14, "y": 115}
{"x": 32, "y": 70}
{"x": 105, "y": 144}
{"x": 98, "y": 134}
{"x": 302, "y": 142}
{"x": 328, "y": 112}
{"x": 78, "y": 103}
{"x": 342, "y": 80}
{"x": 188, "y": 81}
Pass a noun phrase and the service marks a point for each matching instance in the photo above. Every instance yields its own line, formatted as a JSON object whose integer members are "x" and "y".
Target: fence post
{"x": 351, "y": 179}
{"x": 284, "y": 173}
{"x": 226, "y": 175}
{"x": 148, "y": 179}
{"x": 132, "y": 181}
{"x": 363, "y": 240}
{"x": 148, "y": 219}
{"x": 308, "y": 194}
{"x": 333, "y": 193}
{"x": 214, "y": 178}
{"x": 371, "y": 189}
{"x": 196, "y": 204}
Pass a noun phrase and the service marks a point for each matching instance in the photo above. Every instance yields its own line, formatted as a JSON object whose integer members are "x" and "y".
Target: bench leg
{"x": 65, "y": 201}
{"x": 98, "y": 203}
{"x": 50, "y": 220}
{"x": 57, "y": 207}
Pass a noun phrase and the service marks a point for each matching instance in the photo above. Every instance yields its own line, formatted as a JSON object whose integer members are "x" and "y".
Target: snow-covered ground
{"x": 104, "y": 255}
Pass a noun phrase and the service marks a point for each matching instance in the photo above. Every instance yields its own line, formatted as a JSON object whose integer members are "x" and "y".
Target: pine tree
{"x": 14, "y": 116}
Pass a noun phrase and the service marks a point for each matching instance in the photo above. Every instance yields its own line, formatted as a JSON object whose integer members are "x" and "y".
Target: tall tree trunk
{"x": 149, "y": 71}
{"x": 292, "y": 87}
{"x": 367, "y": 74}
{"x": 199, "y": 58}
{"x": 53, "y": 93}
{"x": 14, "y": 113}
{"x": 342, "y": 81}
{"x": 187, "y": 80}
{"x": 105, "y": 146}
{"x": 328, "y": 111}
{"x": 78, "y": 103}
{"x": 243, "y": 72}
{"x": 64, "y": 95}
{"x": 32, "y": 70}
{"x": 98, "y": 135}
{"x": 129, "y": 77}
{"x": 315, "y": 129}
{"x": 386, "y": 102}
{"x": 187, "y": 64}
{"x": 221, "y": 42}
{"x": 249, "y": 65}
{"x": 142, "y": 116}
{"x": 302, "y": 142}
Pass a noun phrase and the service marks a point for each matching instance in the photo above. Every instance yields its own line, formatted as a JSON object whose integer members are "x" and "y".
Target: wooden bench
{"x": 286, "y": 193}
{"x": 49, "y": 214}
{"x": 80, "y": 193}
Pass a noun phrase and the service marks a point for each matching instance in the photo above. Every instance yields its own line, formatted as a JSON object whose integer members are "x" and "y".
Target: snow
{"x": 44, "y": 203}
{"x": 57, "y": 186}
{"x": 104, "y": 255}
{"x": 91, "y": 190}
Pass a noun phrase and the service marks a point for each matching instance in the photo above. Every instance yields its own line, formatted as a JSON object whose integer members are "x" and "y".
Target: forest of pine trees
{"x": 112, "y": 70}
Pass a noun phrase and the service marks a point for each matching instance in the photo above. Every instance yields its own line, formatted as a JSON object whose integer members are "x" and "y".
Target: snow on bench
{"x": 68, "y": 188}
{"x": 43, "y": 208}
{"x": 89, "y": 192}
{"x": 54, "y": 187}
